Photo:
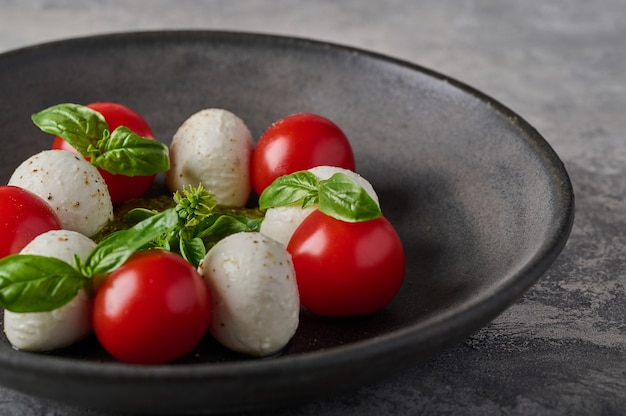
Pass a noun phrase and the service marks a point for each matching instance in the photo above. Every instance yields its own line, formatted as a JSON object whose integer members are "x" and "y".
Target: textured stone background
{"x": 562, "y": 66}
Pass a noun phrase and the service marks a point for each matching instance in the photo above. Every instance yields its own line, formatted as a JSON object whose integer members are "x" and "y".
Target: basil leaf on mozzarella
{"x": 297, "y": 188}
{"x": 78, "y": 125}
{"x": 339, "y": 196}
{"x": 34, "y": 283}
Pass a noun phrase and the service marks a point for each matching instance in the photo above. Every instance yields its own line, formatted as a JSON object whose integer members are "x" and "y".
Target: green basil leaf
{"x": 137, "y": 215}
{"x": 78, "y": 125}
{"x": 31, "y": 283}
{"x": 252, "y": 224}
{"x": 127, "y": 153}
{"x": 192, "y": 250}
{"x": 341, "y": 197}
{"x": 299, "y": 187}
{"x": 112, "y": 251}
{"x": 165, "y": 244}
{"x": 218, "y": 226}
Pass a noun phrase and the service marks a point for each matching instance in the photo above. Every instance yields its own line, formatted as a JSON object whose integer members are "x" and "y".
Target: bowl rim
{"x": 464, "y": 320}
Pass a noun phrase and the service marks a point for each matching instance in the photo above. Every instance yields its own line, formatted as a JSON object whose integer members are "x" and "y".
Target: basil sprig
{"x": 200, "y": 226}
{"x": 339, "y": 196}
{"x": 119, "y": 152}
{"x": 113, "y": 250}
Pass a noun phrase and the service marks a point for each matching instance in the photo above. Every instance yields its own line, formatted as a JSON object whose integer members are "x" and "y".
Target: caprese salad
{"x": 83, "y": 252}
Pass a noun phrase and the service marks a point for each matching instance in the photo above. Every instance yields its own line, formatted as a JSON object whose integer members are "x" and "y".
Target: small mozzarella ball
{"x": 61, "y": 244}
{"x": 281, "y": 222}
{"x": 46, "y": 331}
{"x": 72, "y": 186}
{"x": 212, "y": 148}
{"x": 254, "y": 293}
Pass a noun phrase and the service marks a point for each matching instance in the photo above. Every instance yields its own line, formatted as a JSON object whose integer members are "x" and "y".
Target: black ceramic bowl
{"x": 482, "y": 203}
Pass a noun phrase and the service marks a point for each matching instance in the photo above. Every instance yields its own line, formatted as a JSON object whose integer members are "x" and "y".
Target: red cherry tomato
{"x": 23, "y": 216}
{"x": 298, "y": 142}
{"x": 346, "y": 268}
{"x": 153, "y": 309}
{"x": 121, "y": 187}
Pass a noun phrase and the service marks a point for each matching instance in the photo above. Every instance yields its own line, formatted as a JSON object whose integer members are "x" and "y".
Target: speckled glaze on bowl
{"x": 482, "y": 203}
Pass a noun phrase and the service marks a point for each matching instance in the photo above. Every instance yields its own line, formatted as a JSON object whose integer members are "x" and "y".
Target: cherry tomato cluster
{"x": 156, "y": 308}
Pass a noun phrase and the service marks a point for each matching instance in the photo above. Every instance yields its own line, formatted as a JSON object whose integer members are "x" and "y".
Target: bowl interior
{"x": 480, "y": 201}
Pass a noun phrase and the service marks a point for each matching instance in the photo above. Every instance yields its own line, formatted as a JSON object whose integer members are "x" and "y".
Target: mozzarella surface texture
{"x": 72, "y": 186}
{"x": 46, "y": 331}
{"x": 254, "y": 293}
{"x": 212, "y": 148}
{"x": 281, "y": 222}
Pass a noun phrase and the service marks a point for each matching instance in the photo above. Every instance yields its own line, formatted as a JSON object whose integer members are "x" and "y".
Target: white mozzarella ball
{"x": 254, "y": 293}
{"x": 46, "y": 331}
{"x": 212, "y": 148}
{"x": 72, "y": 186}
{"x": 281, "y": 222}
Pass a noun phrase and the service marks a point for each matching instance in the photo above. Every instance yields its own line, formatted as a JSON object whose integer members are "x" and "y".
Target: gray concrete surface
{"x": 562, "y": 66}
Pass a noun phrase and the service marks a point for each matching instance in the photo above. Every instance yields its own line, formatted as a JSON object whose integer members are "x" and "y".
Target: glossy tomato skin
{"x": 23, "y": 216}
{"x": 344, "y": 268}
{"x": 298, "y": 142}
{"x": 121, "y": 187}
{"x": 154, "y": 309}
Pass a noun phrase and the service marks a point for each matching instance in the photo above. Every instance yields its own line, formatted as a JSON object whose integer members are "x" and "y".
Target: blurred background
{"x": 562, "y": 55}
